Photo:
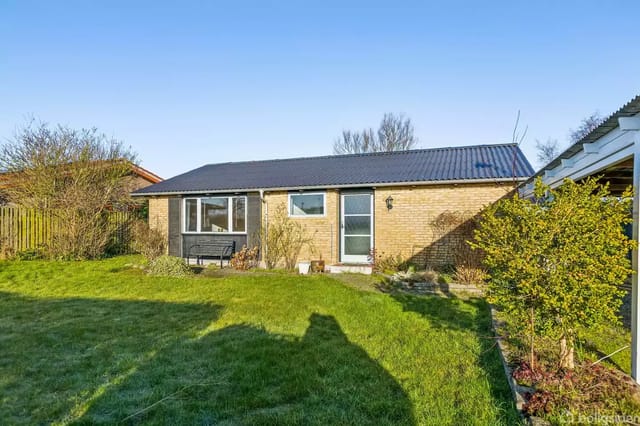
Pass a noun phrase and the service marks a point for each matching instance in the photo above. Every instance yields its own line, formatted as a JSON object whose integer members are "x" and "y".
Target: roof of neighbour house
{"x": 466, "y": 163}
{"x": 141, "y": 172}
{"x": 145, "y": 174}
{"x": 630, "y": 109}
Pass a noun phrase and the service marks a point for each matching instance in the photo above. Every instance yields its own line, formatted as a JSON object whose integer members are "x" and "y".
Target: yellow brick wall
{"x": 407, "y": 229}
{"x": 159, "y": 216}
{"x": 324, "y": 230}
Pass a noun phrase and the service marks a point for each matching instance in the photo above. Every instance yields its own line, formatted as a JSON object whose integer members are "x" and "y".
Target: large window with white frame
{"x": 306, "y": 204}
{"x": 215, "y": 215}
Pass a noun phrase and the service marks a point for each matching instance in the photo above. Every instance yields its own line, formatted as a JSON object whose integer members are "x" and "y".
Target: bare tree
{"x": 516, "y": 139}
{"x": 395, "y": 133}
{"x": 76, "y": 175}
{"x": 587, "y": 125}
{"x": 547, "y": 151}
{"x": 356, "y": 142}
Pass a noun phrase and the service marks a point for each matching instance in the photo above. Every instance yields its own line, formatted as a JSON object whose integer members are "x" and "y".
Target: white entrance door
{"x": 356, "y": 224}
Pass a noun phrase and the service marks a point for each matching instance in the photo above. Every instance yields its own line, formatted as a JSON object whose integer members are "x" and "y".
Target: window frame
{"x": 198, "y": 230}
{"x": 304, "y": 216}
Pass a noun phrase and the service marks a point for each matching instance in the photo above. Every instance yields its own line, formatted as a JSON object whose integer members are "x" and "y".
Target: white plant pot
{"x": 303, "y": 267}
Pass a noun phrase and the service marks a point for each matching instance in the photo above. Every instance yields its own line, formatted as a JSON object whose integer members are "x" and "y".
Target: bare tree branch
{"x": 395, "y": 133}
{"x": 587, "y": 125}
{"x": 547, "y": 151}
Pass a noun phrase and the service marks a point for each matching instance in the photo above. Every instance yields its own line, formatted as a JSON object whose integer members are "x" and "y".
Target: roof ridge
{"x": 441, "y": 164}
{"x": 367, "y": 154}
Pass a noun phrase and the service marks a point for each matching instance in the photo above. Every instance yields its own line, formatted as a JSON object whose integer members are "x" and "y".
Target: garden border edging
{"x": 517, "y": 391}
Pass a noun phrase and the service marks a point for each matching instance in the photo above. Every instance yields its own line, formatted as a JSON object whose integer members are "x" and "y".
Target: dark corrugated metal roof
{"x": 479, "y": 162}
{"x": 630, "y": 109}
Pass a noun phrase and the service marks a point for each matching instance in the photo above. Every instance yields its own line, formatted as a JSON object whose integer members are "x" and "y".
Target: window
{"x": 215, "y": 214}
{"x": 191, "y": 215}
{"x": 306, "y": 204}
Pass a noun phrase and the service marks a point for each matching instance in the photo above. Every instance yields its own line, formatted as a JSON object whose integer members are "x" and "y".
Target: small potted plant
{"x": 317, "y": 265}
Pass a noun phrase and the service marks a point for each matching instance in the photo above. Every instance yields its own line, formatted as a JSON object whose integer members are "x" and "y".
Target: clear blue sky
{"x": 190, "y": 83}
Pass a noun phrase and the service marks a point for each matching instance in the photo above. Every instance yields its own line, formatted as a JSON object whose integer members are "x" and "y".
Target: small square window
{"x": 306, "y": 204}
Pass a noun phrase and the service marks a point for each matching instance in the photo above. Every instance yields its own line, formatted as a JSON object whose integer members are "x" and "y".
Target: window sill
{"x": 212, "y": 233}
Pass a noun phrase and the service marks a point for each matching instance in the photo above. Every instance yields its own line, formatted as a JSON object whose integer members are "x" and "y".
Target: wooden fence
{"x": 26, "y": 229}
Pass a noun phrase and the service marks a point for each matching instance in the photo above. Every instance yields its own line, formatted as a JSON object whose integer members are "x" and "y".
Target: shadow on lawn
{"x": 90, "y": 361}
{"x": 448, "y": 312}
{"x": 58, "y": 355}
{"x": 472, "y": 314}
{"x": 244, "y": 375}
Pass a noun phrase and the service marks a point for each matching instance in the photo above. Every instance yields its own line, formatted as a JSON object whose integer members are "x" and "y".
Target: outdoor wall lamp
{"x": 389, "y": 202}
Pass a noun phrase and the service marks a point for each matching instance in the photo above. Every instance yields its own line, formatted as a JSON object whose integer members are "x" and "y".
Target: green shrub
{"x": 168, "y": 266}
{"x": 445, "y": 278}
{"x": 556, "y": 264}
{"x": 30, "y": 254}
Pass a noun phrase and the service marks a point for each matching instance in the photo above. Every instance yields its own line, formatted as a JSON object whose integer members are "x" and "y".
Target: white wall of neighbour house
{"x": 618, "y": 145}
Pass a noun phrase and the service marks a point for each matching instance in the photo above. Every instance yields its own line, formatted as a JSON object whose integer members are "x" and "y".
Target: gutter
{"x": 319, "y": 187}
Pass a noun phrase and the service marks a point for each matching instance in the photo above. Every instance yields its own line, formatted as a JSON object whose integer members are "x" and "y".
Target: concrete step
{"x": 340, "y": 268}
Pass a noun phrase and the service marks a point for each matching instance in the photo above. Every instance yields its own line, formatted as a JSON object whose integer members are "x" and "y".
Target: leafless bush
{"x": 454, "y": 230}
{"x": 469, "y": 275}
{"x": 77, "y": 175}
{"x": 383, "y": 262}
{"x": 430, "y": 276}
{"x": 6, "y": 249}
{"x": 284, "y": 239}
{"x": 149, "y": 242}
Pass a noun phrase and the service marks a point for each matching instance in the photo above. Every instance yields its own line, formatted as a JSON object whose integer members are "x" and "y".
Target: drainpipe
{"x": 265, "y": 223}
{"x": 331, "y": 242}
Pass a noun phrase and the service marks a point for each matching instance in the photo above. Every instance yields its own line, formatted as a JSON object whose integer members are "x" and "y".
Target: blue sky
{"x": 189, "y": 83}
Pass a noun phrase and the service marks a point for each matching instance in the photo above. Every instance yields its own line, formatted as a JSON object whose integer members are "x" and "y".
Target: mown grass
{"x": 96, "y": 342}
{"x": 601, "y": 343}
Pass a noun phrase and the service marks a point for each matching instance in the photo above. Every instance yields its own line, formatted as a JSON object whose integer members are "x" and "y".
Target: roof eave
{"x": 317, "y": 187}
{"x": 608, "y": 124}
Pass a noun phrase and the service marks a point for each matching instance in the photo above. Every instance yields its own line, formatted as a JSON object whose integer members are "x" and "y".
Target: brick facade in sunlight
{"x": 159, "y": 215}
{"x": 408, "y": 228}
{"x": 324, "y": 230}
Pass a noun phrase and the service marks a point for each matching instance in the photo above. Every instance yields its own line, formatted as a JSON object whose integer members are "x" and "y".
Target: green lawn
{"x": 97, "y": 342}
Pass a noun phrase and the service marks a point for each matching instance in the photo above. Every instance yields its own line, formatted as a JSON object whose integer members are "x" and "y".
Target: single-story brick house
{"x": 351, "y": 204}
